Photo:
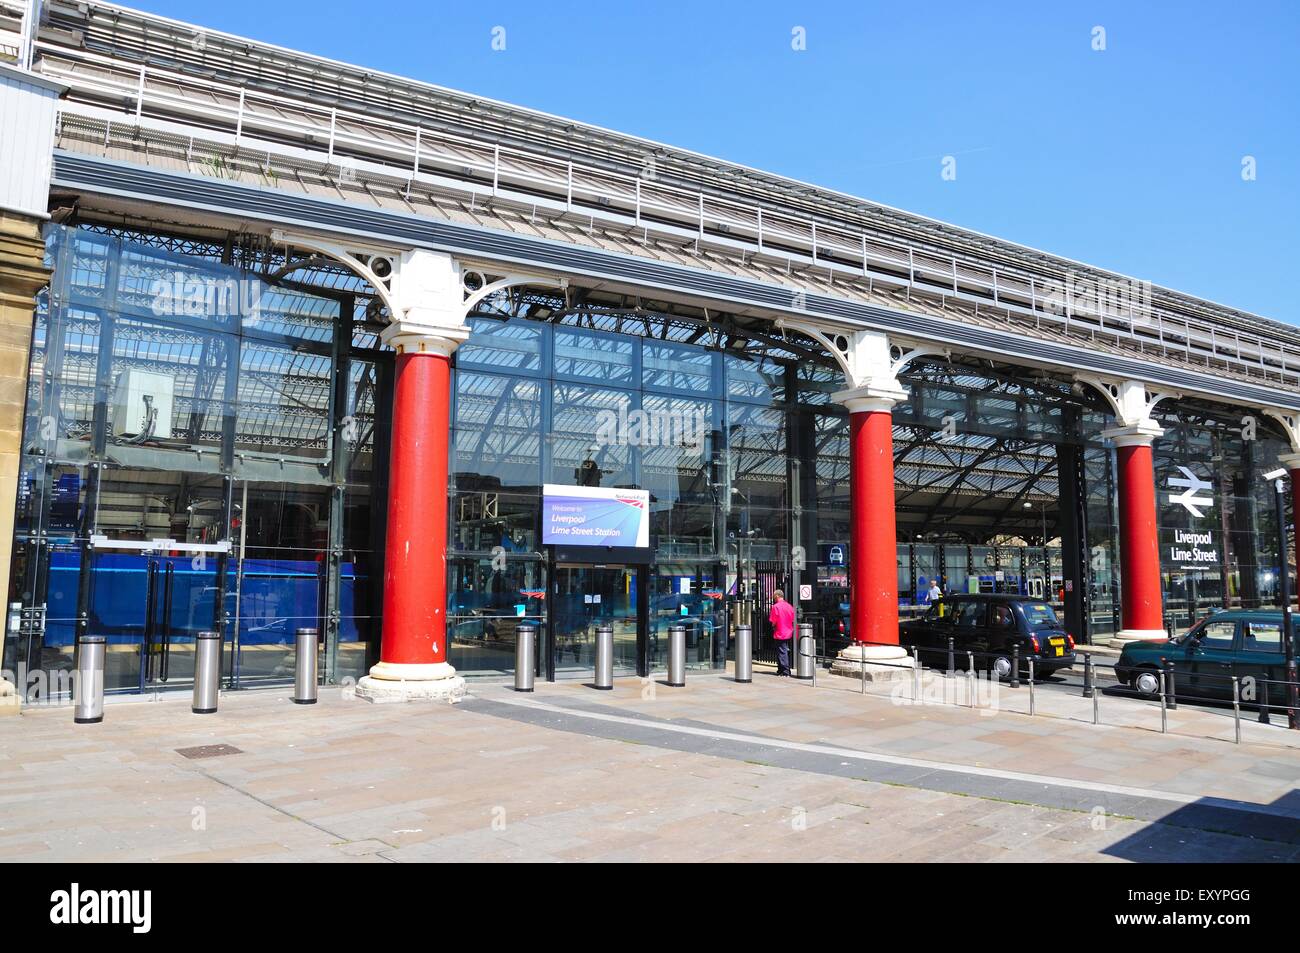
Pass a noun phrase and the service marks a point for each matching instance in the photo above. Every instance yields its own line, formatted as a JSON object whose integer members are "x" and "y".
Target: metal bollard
{"x": 207, "y": 672}
{"x": 1031, "y": 684}
{"x": 1171, "y": 685}
{"x": 1015, "y": 665}
{"x": 1164, "y": 705}
{"x": 1263, "y": 708}
{"x": 952, "y": 660}
{"x": 304, "y": 672}
{"x": 1088, "y": 676}
{"x": 89, "y": 699}
{"x": 604, "y": 679}
{"x": 744, "y": 654}
{"x": 1096, "y": 712}
{"x": 970, "y": 679}
{"x": 525, "y": 657}
{"x": 677, "y": 655}
{"x": 1236, "y": 707}
{"x": 805, "y": 664}
{"x": 916, "y": 674}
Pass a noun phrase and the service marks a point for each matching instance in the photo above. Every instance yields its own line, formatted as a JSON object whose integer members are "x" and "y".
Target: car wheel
{"x": 1147, "y": 682}
{"x": 1002, "y": 667}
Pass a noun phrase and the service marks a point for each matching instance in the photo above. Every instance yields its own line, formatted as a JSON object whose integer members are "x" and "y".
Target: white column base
{"x": 875, "y": 663}
{"x": 1125, "y": 636}
{"x": 390, "y": 683}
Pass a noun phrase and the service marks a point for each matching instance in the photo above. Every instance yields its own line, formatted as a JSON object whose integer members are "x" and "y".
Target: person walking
{"x": 935, "y": 593}
{"x": 782, "y": 619}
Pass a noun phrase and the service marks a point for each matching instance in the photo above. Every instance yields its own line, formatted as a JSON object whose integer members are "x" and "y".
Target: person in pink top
{"x": 782, "y": 619}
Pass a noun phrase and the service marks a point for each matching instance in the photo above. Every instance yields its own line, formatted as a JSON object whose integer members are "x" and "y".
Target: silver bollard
{"x": 1032, "y": 679}
{"x": 604, "y": 658}
{"x": 525, "y": 657}
{"x": 304, "y": 671}
{"x": 1164, "y": 705}
{"x": 744, "y": 654}
{"x": 1236, "y": 707}
{"x": 806, "y": 664}
{"x": 207, "y": 672}
{"x": 89, "y": 701}
{"x": 677, "y": 656}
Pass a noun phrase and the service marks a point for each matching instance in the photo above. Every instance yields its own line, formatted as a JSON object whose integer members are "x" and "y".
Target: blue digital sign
{"x": 595, "y": 516}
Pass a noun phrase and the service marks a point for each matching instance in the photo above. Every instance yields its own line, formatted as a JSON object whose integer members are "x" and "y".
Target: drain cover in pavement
{"x": 207, "y": 751}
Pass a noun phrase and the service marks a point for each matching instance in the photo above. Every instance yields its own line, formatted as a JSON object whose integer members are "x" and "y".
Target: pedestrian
{"x": 935, "y": 593}
{"x": 782, "y": 619}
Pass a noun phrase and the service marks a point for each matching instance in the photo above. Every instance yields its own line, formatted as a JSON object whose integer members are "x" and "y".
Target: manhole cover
{"x": 207, "y": 751}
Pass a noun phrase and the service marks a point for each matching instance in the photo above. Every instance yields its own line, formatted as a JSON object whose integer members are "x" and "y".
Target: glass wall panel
{"x": 514, "y": 346}
{"x": 497, "y": 433}
{"x": 677, "y": 367}
{"x": 592, "y": 434}
{"x": 596, "y": 356}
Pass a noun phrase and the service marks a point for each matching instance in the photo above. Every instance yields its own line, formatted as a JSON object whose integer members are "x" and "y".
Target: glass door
{"x": 150, "y": 604}
{"x": 585, "y": 598}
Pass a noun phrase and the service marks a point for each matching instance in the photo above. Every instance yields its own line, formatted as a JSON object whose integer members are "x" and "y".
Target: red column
{"x": 415, "y": 561}
{"x": 873, "y": 555}
{"x": 1142, "y": 603}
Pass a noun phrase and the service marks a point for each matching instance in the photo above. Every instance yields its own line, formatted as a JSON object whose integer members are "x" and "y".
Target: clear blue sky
{"x": 1128, "y": 158}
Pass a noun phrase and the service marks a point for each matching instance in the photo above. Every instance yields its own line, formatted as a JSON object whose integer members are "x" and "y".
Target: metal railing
{"x": 1266, "y": 696}
{"x": 201, "y": 113}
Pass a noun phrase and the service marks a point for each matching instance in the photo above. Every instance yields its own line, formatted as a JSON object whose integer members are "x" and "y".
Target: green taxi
{"x": 1246, "y": 643}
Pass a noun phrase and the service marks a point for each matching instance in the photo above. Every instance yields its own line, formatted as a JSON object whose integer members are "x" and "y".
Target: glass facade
{"x": 200, "y": 452}
{"x": 197, "y": 455}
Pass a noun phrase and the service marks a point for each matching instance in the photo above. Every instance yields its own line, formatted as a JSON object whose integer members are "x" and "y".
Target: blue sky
{"x": 1129, "y": 158}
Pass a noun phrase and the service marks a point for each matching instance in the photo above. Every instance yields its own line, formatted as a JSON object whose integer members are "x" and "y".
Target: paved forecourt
{"x": 715, "y": 771}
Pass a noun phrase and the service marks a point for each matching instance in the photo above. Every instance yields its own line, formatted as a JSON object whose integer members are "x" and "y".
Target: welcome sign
{"x": 595, "y": 516}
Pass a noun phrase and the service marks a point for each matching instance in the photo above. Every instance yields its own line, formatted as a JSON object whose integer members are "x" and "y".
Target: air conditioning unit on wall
{"x": 142, "y": 405}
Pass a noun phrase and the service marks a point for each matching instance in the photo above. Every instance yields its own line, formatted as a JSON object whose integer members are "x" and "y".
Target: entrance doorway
{"x": 584, "y": 597}
{"x": 151, "y": 605}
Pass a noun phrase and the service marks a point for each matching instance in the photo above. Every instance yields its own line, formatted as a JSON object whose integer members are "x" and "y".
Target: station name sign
{"x": 595, "y": 516}
{"x": 1191, "y": 497}
{"x": 1193, "y": 549}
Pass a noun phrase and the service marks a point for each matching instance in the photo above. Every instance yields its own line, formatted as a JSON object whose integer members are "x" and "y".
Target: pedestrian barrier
{"x": 677, "y": 656}
{"x": 744, "y": 672}
{"x": 806, "y": 662}
{"x": 604, "y": 678}
{"x": 207, "y": 672}
{"x": 304, "y": 670}
{"x": 89, "y": 686}
{"x": 525, "y": 656}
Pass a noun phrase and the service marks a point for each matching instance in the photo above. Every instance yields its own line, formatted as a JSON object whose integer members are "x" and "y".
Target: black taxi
{"x": 991, "y": 626}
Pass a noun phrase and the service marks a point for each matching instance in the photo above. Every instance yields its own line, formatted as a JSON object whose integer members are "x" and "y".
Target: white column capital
{"x": 1132, "y": 403}
{"x": 872, "y": 374}
{"x": 1290, "y": 460}
{"x": 879, "y": 395}
{"x": 428, "y": 304}
{"x": 1141, "y": 434}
